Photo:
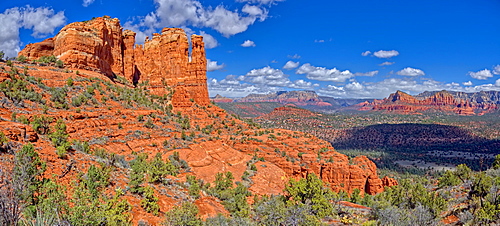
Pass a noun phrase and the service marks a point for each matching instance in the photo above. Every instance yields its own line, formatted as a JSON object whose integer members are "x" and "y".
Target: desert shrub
{"x": 82, "y": 146}
{"x": 79, "y": 100}
{"x": 59, "y": 64}
{"x": 179, "y": 163}
{"x": 184, "y": 215}
{"x": 59, "y": 97}
{"x": 158, "y": 169}
{"x": 47, "y": 59}
{"x": 70, "y": 82}
{"x": 17, "y": 90}
{"x": 41, "y": 123}
{"x": 310, "y": 190}
{"x": 194, "y": 186}
{"x": 150, "y": 201}
{"x": 21, "y": 59}
{"x": 136, "y": 176}
{"x": 59, "y": 138}
{"x": 28, "y": 169}
{"x": 90, "y": 206}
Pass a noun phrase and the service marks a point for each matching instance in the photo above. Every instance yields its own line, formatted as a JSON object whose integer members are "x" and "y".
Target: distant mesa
{"x": 220, "y": 99}
{"x": 102, "y": 45}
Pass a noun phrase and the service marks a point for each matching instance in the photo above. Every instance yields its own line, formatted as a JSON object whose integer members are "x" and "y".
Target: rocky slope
{"x": 119, "y": 121}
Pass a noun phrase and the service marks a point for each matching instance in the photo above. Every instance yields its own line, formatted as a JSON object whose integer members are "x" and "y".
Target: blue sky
{"x": 344, "y": 49}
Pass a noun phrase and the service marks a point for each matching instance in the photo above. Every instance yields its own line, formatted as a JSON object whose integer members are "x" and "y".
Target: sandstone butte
{"x": 99, "y": 47}
{"x": 102, "y": 45}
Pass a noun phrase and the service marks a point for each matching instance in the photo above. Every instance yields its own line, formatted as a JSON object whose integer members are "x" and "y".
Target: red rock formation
{"x": 220, "y": 99}
{"x": 36, "y": 50}
{"x": 389, "y": 182}
{"x": 443, "y": 101}
{"x": 163, "y": 61}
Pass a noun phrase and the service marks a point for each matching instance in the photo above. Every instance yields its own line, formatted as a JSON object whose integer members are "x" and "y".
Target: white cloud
{"x": 253, "y": 10}
{"x": 295, "y": 56}
{"x": 87, "y": 2}
{"x": 42, "y": 21}
{"x": 302, "y": 84}
{"x": 369, "y": 74}
{"x": 497, "y": 83}
{"x": 213, "y": 66}
{"x": 263, "y": 2}
{"x": 354, "y": 86}
{"x": 268, "y": 76}
{"x": 386, "y": 54}
{"x": 181, "y": 13}
{"x": 319, "y": 41}
{"x": 366, "y": 53}
{"x": 209, "y": 40}
{"x": 248, "y": 43}
{"x": 469, "y": 83}
{"x": 481, "y": 75}
{"x": 410, "y": 72}
{"x": 496, "y": 70}
{"x": 290, "y": 65}
{"x": 387, "y": 63}
{"x": 324, "y": 74}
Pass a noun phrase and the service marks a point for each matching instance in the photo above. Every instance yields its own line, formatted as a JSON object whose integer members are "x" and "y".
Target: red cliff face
{"x": 163, "y": 61}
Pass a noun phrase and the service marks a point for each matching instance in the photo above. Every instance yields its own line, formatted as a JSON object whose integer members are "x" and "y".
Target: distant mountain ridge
{"x": 439, "y": 101}
{"x": 299, "y": 98}
{"x": 482, "y": 97}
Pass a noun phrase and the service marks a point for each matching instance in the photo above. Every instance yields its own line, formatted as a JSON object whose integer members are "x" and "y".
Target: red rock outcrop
{"x": 163, "y": 61}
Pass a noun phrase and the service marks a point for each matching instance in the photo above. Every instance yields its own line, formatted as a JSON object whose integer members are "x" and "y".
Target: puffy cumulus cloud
{"x": 366, "y": 53}
{"x": 302, "y": 84}
{"x": 295, "y": 56}
{"x": 268, "y": 76}
{"x": 496, "y": 70}
{"x": 386, "y": 54}
{"x": 410, "y": 72}
{"x": 209, "y": 40}
{"x": 253, "y": 10}
{"x": 324, "y": 74}
{"x": 497, "y": 83}
{"x": 214, "y": 66}
{"x": 87, "y": 2}
{"x": 248, "y": 43}
{"x": 262, "y": 80}
{"x": 469, "y": 83}
{"x": 387, "y": 63}
{"x": 42, "y": 21}
{"x": 354, "y": 86}
{"x": 230, "y": 87}
{"x": 481, "y": 75}
{"x": 181, "y": 13}
{"x": 291, "y": 65}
